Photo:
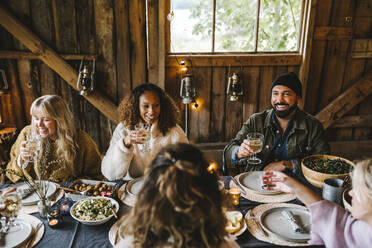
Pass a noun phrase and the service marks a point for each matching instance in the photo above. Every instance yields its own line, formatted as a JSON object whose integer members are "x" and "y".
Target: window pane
{"x": 191, "y": 28}
{"x": 235, "y": 23}
{"x": 279, "y": 25}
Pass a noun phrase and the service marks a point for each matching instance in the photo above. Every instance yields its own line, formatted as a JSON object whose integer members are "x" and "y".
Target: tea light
{"x": 235, "y": 196}
{"x": 65, "y": 206}
{"x": 54, "y": 218}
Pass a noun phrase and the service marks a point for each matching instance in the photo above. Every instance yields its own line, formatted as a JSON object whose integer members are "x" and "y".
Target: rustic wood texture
{"x": 346, "y": 101}
{"x": 137, "y": 24}
{"x": 333, "y": 33}
{"x": 354, "y": 121}
{"x": 236, "y": 60}
{"x": 115, "y": 33}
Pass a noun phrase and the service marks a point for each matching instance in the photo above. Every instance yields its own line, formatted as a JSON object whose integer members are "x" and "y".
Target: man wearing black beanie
{"x": 289, "y": 133}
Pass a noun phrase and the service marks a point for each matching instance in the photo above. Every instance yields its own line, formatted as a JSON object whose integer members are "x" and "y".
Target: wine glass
{"x": 10, "y": 205}
{"x": 144, "y": 135}
{"x": 34, "y": 146}
{"x": 255, "y": 142}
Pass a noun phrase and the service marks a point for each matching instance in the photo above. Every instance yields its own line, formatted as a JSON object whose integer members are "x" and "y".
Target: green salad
{"x": 329, "y": 166}
{"x": 93, "y": 209}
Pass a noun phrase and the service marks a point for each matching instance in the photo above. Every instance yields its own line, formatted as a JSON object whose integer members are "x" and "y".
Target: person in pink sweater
{"x": 332, "y": 225}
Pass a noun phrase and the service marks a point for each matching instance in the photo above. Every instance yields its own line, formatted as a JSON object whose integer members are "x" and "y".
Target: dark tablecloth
{"x": 97, "y": 236}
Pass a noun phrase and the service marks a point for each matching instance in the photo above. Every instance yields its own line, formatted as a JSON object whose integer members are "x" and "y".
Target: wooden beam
{"x": 236, "y": 60}
{"x": 309, "y": 13}
{"x": 346, "y": 101}
{"x": 333, "y": 33}
{"x": 54, "y": 61}
{"x": 4, "y": 54}
{"x": 361, "y": 49}
{"x": 354, "y": 121}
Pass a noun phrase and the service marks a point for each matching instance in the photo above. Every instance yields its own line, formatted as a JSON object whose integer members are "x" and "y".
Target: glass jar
{"x": 43, "y": 207}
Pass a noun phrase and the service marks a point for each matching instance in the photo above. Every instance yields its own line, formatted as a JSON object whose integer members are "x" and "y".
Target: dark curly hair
{"x": 130, "y": 113}
{"x": 179, "y": 204}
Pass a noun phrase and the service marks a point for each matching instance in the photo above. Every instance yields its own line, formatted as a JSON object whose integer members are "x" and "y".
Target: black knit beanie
{"x": 289, "y": 80}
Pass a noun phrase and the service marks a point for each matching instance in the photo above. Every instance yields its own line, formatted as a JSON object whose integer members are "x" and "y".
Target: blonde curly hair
{"x": 179, "y": 205}
{"x": 130, "y": 113}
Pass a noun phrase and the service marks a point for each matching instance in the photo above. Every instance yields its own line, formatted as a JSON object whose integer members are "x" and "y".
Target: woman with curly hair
{"x": 147, "y": 104}
{"x": 66, "y": 153}
{"x": 179, "y": 204}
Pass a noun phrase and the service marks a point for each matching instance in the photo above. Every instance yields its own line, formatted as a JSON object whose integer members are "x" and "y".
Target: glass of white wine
{"x": 144, "y": 136}
{"x": 34, "y": 146}
{"x": 10, "y": 205}
{"x": 255, "y": 142}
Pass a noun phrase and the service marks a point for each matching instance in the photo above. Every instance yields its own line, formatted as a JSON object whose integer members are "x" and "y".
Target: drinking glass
{"x": 34, "y": 145}
{"x": 10, "y": 205}
{"x": 144, "y": 136}
{"x": 255, "y": 142}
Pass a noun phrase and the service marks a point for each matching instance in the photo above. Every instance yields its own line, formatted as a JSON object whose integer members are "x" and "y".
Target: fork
{"x": 254, "y": 218}
{"x": 31, "y": 240}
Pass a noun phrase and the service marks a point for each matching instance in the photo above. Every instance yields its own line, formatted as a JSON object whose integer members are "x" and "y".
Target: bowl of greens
{"x": 94, "y": 210}
{"x": 317, "y": 168}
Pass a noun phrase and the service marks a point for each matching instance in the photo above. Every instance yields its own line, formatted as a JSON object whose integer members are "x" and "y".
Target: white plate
{"x": 94, "y": 222}
{"x": 134, "y": 186}
{"x": 33, "y": 198}
{"x": 275, "y": 223}
{"x": 252, "y": 181}
{"x": 16, "y": 238}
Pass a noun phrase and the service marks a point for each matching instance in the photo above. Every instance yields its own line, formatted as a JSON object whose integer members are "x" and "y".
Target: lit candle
{"x": 54, "y": 218}
{"x": 65, "y": 205}
{"x": 235, "y": 196}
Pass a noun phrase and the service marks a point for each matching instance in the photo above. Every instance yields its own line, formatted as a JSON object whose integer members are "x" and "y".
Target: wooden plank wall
{"x": 116, "y": 31}
{"x": 332, "y": 68}
{"x": 332, "y": 71}
{"x": 113, "y": 29}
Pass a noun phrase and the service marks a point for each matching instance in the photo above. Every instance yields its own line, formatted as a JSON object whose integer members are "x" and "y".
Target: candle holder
{"x": 235, "y": 196}
{"x": 65, "y": 205}
{"x": 54, "y": 218}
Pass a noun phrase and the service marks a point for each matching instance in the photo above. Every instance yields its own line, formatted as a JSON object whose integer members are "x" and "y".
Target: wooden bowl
{"x": 317, "y": 178}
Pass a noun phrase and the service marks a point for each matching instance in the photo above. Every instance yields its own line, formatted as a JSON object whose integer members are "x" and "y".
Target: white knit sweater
{"x": 121, "y": 161}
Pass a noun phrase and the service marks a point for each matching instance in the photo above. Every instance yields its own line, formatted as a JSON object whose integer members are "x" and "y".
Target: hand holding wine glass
{"x": 30, "y": 148}
{"x": 143, "y": 135}
{"x": 255, "y": 143}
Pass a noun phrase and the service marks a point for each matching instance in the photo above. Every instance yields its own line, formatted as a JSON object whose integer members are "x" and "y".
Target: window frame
{"x": 289, "y": 58}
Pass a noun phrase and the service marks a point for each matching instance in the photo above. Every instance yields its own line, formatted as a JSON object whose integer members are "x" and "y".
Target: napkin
{"x": 292, "y": 220}
{"x": 25, "y": 192}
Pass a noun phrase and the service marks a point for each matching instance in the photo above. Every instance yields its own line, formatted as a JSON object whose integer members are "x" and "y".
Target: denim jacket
{"x": 305, "y": 138}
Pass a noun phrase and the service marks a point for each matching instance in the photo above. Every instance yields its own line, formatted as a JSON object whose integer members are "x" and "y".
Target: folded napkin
{"x": 295, "y": 226}
{"x": 25, "y": 192}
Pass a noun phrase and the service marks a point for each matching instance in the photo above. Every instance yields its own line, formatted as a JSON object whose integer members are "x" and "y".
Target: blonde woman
{"x": 179, "y": 205}
{"x": 332, "y": 225}
{"x": 147, "y": 104}
{"x": 65, "y": 154}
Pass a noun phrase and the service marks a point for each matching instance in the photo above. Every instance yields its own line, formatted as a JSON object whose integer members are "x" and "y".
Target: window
{"x": 242, "y": 26}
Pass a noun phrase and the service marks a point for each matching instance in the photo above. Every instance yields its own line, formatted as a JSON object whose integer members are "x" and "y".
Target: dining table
{"x": 74, "y": 234}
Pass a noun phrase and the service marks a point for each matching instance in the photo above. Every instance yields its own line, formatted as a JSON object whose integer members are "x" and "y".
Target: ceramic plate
{"x": 252, "y": 181}
{"x": 16, "y": 235}
{"x": 33, "y": 198}
{"x": 134, "y": 186}
{"x": 275, "y": 223}
{"x": 94, "y": 222}
{"x": 346, "y": 198}
{"x": 235, "y": 215}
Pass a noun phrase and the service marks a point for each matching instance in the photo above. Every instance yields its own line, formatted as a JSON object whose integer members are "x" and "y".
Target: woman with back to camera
{"x": 332, "y": 225}
{"x": 179, "y": 204}
{"x": 148, "y": 105}
{"x": 66, "y": 152}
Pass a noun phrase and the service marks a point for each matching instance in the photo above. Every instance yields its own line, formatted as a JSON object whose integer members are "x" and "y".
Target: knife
{"x": 292, "y": 220}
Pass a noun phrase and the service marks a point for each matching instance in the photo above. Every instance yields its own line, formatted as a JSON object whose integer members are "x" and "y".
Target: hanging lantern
{"x": 234, "y": 87}
{"x": 85, "y": 81}
{"x": 187, "y": 90}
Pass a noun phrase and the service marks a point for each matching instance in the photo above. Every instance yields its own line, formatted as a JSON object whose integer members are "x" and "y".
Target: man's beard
{"x": 284, "y": 113}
